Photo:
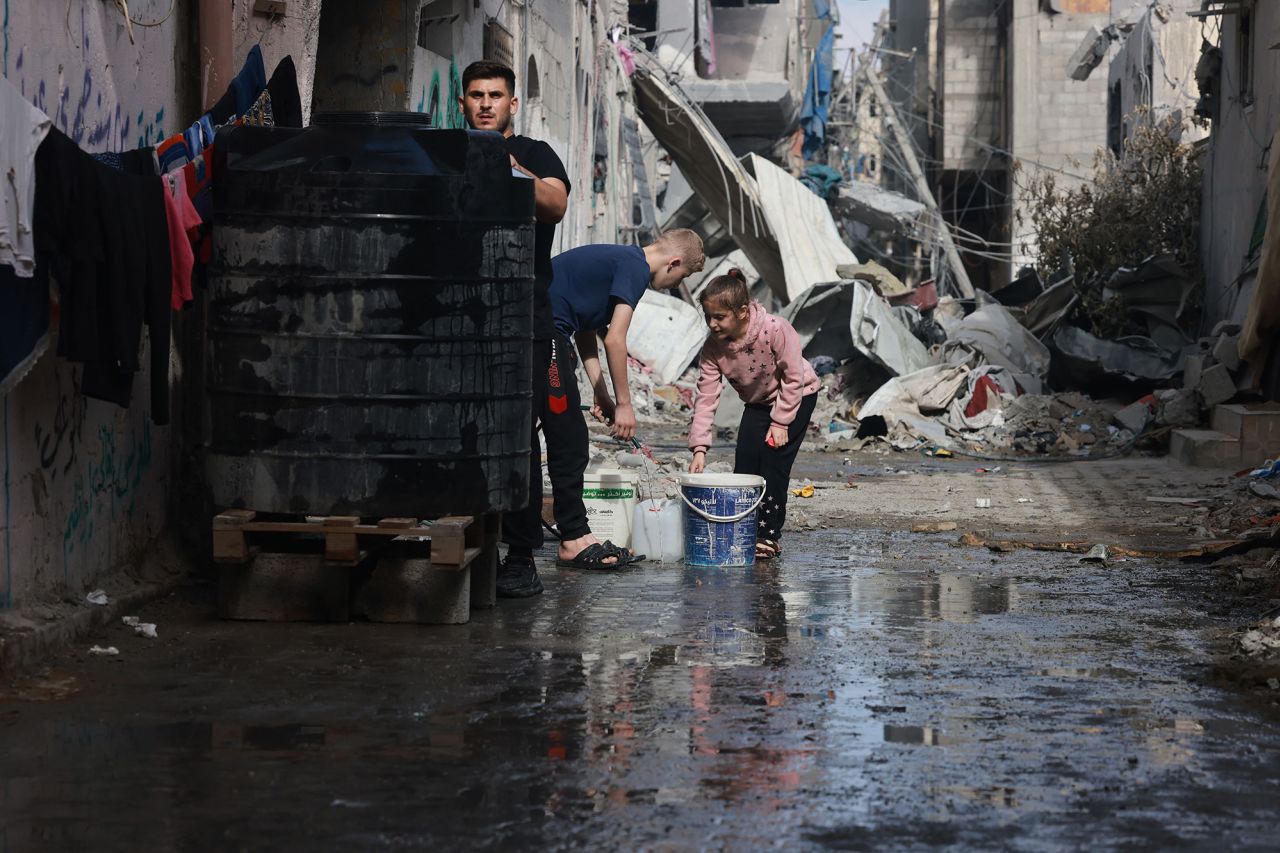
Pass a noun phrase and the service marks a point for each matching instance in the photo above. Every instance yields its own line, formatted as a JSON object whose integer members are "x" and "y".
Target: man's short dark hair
{"x": 485, "y": 70}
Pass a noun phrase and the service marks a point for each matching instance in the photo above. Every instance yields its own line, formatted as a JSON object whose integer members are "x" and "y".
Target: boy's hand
{"x": 624, "y": 422}
{"x": 699, "y": 463}
{"x": 777, "y": 436}
{"x": 603, "y": 410}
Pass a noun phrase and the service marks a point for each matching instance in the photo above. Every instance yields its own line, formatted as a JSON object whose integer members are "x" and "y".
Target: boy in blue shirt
{"x": 594, "y": 290}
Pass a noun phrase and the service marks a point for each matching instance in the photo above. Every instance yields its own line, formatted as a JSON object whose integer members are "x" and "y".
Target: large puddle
{"x": 865, "y": 691}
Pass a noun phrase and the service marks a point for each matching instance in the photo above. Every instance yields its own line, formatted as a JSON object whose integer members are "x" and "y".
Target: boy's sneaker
{"x": 518, "y": 578}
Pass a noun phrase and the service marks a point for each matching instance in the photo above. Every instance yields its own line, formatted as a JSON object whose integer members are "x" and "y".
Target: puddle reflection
{"x": 948, "y": 597}
{"x": 920, "y": 735}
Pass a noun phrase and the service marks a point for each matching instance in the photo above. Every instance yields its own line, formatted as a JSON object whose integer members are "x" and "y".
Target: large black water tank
{"x": 370, "y": 320}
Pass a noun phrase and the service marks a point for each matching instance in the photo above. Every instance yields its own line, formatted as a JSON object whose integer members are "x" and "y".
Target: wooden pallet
{"x": 455, "y": 541}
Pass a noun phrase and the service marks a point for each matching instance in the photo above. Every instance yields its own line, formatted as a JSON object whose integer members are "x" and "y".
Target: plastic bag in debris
{"x": 98, "y": 597}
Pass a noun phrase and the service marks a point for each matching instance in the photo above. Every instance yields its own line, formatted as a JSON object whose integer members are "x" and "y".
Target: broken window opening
{"x": 1245, "y": 42}
{"x": 435, "y": 27}
{"x": 532, "y": 84}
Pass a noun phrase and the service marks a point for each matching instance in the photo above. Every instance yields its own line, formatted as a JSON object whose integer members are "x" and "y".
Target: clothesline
{"x": 116, "y": 236}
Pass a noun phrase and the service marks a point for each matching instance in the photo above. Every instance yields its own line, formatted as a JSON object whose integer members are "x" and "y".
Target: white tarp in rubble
{"x": 819, "y": 315}
{"x": 929, "y": 390}
{"x": 810, "y": 245}
{"x": 666, "y": 335}
{"x": 707, "y": 163}
{"x": 903, "y": 401}
{"x": 878, "y": 208}
{"x": 1003, "y": 341}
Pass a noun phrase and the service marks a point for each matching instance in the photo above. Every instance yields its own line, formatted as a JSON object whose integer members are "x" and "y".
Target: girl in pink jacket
{"x": 760, "y": 355}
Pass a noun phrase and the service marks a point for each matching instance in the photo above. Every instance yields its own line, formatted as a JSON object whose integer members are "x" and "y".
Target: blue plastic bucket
{"x": 720, "y": 518}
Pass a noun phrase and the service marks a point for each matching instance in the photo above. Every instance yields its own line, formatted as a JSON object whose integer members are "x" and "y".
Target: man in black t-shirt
{"x": 489, "y": 103}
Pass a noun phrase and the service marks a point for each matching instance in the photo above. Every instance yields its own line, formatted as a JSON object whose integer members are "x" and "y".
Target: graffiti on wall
{"x": 58, "y": 443}
{"x": 444, "y": 109}
{"x": 105, "y": 487}
{"x": 96, "y": 468}
{"x": 78, "y": 107}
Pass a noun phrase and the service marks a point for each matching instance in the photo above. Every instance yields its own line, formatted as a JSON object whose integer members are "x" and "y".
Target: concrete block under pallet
{"x": 1205, "y": 448}
{"x": 412, "y": 590}
{"x": 285, "y": 588}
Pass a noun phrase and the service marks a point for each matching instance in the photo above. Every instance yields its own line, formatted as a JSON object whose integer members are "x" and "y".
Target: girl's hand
{"x": 777, "y": 436}
{"x": 699, "y": 463}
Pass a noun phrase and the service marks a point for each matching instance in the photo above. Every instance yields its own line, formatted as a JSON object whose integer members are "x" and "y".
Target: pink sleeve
{"x": 704, "y": 406}
{"x": 787, "y": 351}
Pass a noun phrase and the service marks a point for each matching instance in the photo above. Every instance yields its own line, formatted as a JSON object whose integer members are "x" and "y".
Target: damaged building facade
{"x": 982, "y": 85}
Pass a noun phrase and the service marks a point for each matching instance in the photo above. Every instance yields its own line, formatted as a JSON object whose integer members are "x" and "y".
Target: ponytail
{"x": 728, "y": 291}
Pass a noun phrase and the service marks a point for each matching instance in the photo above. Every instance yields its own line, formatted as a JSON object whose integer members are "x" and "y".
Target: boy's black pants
{"x": 557, "y": 407}
{"x": 753, "y": 456}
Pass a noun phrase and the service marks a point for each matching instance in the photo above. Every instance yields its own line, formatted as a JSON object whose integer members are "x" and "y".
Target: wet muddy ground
{"x": 869, "y": 690}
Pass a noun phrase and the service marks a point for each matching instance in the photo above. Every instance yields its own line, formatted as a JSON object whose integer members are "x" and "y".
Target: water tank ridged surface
{"x": 369, "y": 320}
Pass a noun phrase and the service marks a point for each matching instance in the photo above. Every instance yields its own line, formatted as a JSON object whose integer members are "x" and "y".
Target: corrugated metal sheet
{"x": 704, "y": 158}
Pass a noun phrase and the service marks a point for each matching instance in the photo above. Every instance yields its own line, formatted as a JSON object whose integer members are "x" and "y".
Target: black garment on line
{"x": 557, "y": 406}
{"x": 104, "y": 236}
{"x": 753, "y": 456}
{"x": 537, "y": 157}
{"x": 286, "y": 103}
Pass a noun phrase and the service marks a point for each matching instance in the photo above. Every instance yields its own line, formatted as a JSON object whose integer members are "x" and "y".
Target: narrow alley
{"x": 660, "y": 425}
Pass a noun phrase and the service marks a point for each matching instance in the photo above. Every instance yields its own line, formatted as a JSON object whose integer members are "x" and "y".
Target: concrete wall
{"x": 364, "y": 56}
{"x": 754, "y": 42}
{"x": 85, "y": 484}
{"x": 1235, "y": 166}
{"x": 297, "y": 34}
{"x": 971, "y": 83}
{"x": 1056, "y": 122}
{"x": 909, "y": 82}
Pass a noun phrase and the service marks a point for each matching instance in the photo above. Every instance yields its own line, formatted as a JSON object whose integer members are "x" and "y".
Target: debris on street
{"x": 142, "y": 629}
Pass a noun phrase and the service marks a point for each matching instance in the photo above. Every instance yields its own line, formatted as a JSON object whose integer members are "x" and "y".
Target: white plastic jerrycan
{"x": 657, "y": 530}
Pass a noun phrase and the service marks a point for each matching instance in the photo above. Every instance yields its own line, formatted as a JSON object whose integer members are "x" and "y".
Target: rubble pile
{"x": 1249, "y": 510}
{"x": 1262, "y": 640}
{"x": 1069, "y": 424}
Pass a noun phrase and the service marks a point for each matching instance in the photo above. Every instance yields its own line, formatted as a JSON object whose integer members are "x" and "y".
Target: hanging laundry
{"x": 140, "y": 161}
{"x": 286, "y": 103}
{"x": 22, "y": 129}
{"x": 243, "y": 91}
{"x": 184, "y": 228}
{"x": 24, "y": 324}
{"x": 199, "y": 180}
{"x": 260, "y": 114}
{"x": 198, "y": 136}
{"x": 173, "y": 153}
{"x": 103, "y": 235}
